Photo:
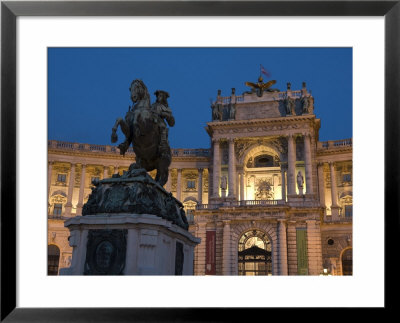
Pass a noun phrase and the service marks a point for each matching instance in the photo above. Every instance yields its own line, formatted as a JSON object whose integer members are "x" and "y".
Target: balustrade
{"x": 242, "y": 203}
{"x": 106, "y": 148}
{"x": 335, "y": 143}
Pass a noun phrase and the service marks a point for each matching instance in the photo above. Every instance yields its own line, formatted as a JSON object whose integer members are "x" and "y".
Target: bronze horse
{"x": 141, "y": 129}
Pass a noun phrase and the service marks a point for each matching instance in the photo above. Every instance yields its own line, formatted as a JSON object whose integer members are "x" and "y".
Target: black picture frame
{"x": 10, "y": 10}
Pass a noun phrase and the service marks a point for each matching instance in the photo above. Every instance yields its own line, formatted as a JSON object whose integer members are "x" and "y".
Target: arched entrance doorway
{"x": 347, "y": 262}
{"x": 53, "y": 259}
{"x": 254, "y": 254}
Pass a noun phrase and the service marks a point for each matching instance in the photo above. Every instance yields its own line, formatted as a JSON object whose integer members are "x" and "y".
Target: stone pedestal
{"x": 335, "y": 212}
{"x": 129, "y": 244}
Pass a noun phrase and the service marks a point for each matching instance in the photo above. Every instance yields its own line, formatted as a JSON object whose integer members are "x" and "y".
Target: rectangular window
{"x": 347, "y": 178}
{"x": 191, "y": 184}
{"x": 57, "y": 209}
{"x": 61, "y": 178}
{"x": 348, "y": 211}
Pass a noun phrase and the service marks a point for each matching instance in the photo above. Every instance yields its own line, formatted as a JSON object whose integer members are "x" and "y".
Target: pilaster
{"x": 314, "y": 247}
{"x": 227, "y": 257}
{"x": 231, "y": 168}
{"x": 49, "y": 175}
{"x": 291, "y": 165}
{"x": 335, "y": 206}
{"x": 200, "y": 186}
{"x": 308, "y": 164}
{"x": 179, "y": 185}
{"x": 71, "y": 182}
{"x": 81, "y": 191}
{"x": 283, "y": 263}
{"x": 216, "y": 167}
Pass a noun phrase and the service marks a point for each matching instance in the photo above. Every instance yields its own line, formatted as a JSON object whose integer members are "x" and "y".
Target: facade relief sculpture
{"x": 264, "y": 189}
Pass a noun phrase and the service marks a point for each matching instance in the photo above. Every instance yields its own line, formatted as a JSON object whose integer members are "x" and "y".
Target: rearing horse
{"x": 141, "y": 129}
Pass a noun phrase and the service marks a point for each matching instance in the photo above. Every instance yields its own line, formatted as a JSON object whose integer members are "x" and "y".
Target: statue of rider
{"x": 163, "y": 112}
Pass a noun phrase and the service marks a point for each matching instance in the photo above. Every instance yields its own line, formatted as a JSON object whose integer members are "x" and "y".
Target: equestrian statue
{"x": 145, "y": 128}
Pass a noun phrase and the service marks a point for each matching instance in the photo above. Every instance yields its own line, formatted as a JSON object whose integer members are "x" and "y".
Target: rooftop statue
{"x": 144, "y": 127}
{"x": 260, "y": 86}
{"x": 290, "y": 105}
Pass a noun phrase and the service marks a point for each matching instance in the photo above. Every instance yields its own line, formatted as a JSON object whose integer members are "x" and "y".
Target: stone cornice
{"x": 112, "y": 156}
{"x": 90, "y": 154}
{"x": 260, "y": 122}
{"x": 334, "y": 151}
{"x": 264, "y": 127}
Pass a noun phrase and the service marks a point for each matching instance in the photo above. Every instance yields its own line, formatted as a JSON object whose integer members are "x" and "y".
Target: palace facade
{"x": 268, "y": 198}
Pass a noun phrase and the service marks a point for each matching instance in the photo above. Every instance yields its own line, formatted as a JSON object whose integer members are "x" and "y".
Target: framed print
{"x": 26, "y": 295}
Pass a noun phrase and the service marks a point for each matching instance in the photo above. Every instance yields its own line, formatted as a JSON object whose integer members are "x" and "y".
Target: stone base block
{"x": 129, "y": 244}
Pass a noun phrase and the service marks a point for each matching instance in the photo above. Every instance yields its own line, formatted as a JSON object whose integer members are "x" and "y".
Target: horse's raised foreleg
{"x": 124, "y": 127}
{"x": 114, "y": 136}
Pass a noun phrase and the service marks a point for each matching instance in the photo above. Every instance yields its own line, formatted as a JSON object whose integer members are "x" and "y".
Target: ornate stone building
{"x": 268, "y": 198}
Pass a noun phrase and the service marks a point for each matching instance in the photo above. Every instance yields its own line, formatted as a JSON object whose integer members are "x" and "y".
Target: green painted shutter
{"x": 302, "y": 254}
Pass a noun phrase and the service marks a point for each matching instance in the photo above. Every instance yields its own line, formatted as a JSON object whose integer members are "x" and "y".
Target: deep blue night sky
{"x": 88, "y": 88}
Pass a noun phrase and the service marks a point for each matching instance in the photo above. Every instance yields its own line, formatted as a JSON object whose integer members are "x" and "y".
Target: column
{"x": 168, "y": 185}
{"x": 216, "y": 167}
{"x": 283, "y": 182}
{"x": 179, "y": 185}
{"x": 49, "y": 171}
{"x": 226, "y": 241}
{"x": 71, "y": 182}
{"x": 291, "y": 165}
{"x": 210, "y": 187}
{"x": 321, "y": 184}
{"x": 231, "y": 168}
{"x": 81, "y": 191}
{"x": 283, "y": 267}
{"x": 237, "y": 190}
{"x": 333, "y": 184}
{"x": 334, "y": 207}
{"x": 307, "y": 161}
{"x": 105, "y": 172}
{"x": 116, "y": 171}
{"x": 200, "y": 187}
{"x": 242, "y": 185}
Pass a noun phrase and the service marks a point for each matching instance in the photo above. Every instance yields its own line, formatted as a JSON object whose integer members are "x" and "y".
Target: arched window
{"x": 189, "y": 205}
{"x": 347, "y": 262}
{"x": 53, "y": 259}
{"x": 254, "y": 254}
{"x": 264, "y": 161}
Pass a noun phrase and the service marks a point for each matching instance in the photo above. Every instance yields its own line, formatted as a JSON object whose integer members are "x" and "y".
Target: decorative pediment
{"x": 59, "y": 192}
